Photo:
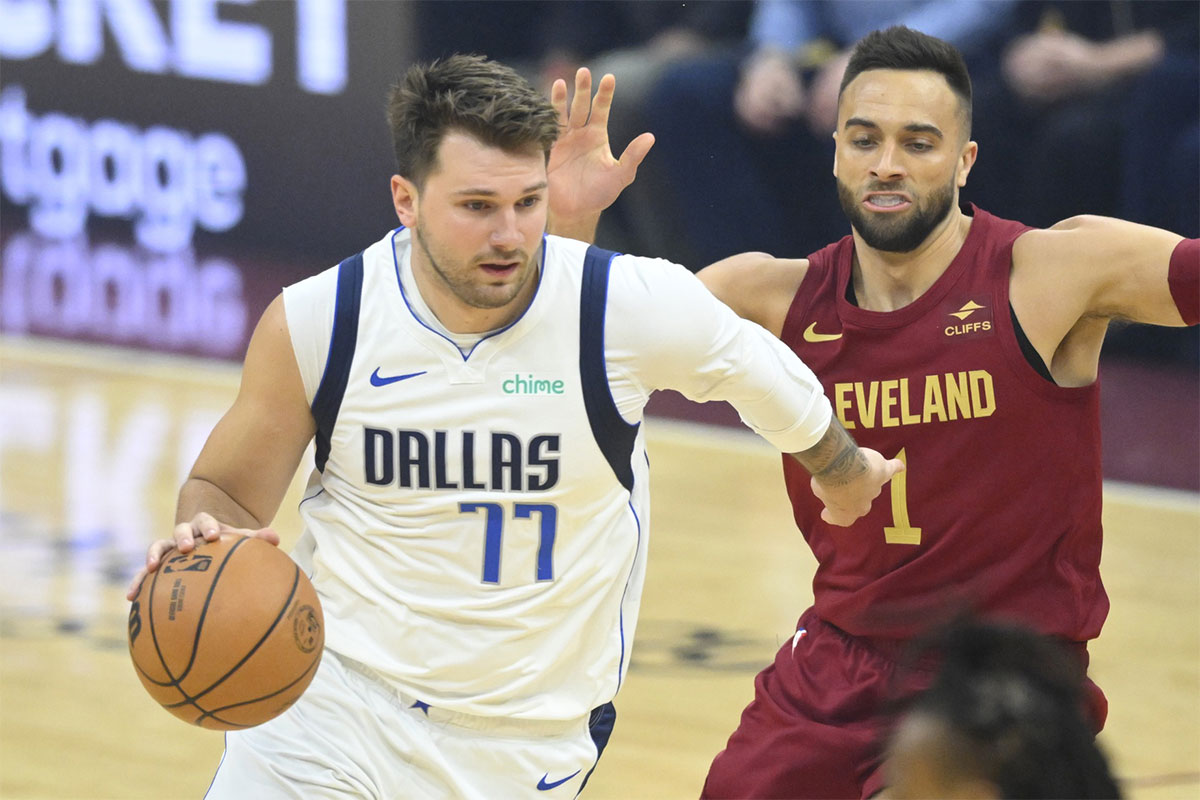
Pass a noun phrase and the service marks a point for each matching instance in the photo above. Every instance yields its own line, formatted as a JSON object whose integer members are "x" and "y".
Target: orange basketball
{"x": 228, "y": 635}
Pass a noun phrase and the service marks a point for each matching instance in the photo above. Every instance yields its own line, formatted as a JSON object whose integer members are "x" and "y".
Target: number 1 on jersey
{"x": 901, "y": 530}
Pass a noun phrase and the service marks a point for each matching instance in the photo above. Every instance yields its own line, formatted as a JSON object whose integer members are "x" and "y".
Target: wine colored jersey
{"x": 998, "y": 511}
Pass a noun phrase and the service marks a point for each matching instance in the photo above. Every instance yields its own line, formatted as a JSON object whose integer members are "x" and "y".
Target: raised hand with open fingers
{"x": 584, "y": 176}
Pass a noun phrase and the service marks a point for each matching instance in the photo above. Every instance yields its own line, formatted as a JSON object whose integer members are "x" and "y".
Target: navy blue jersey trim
{"x": 613, "y": 434}
{"x": 328, "y": 400}
{"x": 600, "y": 726}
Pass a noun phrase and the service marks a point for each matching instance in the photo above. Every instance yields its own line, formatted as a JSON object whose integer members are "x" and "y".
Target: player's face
{"x": 901, "y": 156}
{"x": 477, "y": 227}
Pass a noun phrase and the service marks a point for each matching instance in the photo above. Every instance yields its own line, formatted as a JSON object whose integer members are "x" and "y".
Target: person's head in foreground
{"x": 1003, "y": 718}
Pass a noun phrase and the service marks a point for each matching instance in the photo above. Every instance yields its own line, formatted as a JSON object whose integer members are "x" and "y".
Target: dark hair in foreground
{"x": 1012, "y": 701}
{"x": 899, "y": 47}
{"x": 470, "y": 94}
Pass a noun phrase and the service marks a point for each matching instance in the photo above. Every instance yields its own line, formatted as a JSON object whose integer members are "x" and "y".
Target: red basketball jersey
{"x": 998, "y": 511}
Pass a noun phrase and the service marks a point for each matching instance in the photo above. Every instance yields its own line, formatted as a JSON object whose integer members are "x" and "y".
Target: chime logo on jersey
{"x": 969, "y": 320}
{"x": 532, "y": 384}
{"x": 489, "y": 460}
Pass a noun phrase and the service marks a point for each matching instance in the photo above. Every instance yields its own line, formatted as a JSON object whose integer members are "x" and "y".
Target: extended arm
{"x": 699, "y": 347}
{"x": 1070, "y": 280}
{"x": 247, "y": 464}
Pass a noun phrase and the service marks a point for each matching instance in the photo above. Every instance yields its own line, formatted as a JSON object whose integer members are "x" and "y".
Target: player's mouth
{"x": 500, "y": 269}
{"x": 887, "y": 202}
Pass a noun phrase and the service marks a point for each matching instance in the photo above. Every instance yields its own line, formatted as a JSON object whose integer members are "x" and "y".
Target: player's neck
{"x": 886, "y": 281}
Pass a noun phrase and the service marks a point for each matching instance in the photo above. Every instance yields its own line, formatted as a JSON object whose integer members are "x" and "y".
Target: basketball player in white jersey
{"x": 478, "y": 519}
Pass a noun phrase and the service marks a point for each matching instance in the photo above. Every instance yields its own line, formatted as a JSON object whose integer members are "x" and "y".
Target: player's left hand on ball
{"x": 203, "y": 526}
{"x": 851, "y": 499}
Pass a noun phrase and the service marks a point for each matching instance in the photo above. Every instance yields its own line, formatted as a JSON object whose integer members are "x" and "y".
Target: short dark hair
{"x": 1013, "y": 701}
{"x": 899, "y": 47}
{"x": 466, "y": 93}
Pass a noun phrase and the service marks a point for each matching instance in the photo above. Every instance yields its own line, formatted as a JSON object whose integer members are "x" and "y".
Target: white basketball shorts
{"x": 352, "y": 736}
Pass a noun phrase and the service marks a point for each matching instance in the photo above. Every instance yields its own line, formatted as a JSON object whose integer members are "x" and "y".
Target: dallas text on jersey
{"x": 417, "y": 459}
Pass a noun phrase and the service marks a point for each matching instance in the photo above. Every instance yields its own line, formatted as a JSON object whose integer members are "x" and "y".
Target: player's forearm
{"x": 199, "y": 495}
{"x": 835, "y": 460}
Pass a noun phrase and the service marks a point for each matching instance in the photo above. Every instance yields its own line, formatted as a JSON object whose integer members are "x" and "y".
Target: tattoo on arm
{"x": 835, "y": 460}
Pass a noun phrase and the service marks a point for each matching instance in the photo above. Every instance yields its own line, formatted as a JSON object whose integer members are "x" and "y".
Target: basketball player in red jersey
{"x": 968, "y": 346}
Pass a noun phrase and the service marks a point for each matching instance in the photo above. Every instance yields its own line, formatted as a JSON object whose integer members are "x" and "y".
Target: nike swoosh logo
{"x": 811, "y": 335}
{"x": 377, "y": 380}
{"x": 543, "y": 786}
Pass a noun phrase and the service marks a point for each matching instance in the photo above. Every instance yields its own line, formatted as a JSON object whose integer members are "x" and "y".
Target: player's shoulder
{"x": 1086, "y": 231}
{"x": 629, "y": 276}
{"x": 755, "y": 270}
{"x": 758, "y": 286}
{"x": 305, "y": 296}
{"x": 1078, "y": 240}
{"x": 558, "y": 247}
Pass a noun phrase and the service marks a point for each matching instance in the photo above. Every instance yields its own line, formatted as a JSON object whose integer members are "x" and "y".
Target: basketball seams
{"x": 154, "y": 636}
{"x": 266, "y": 635}
{"x": 213, "y": 714}
{"x": 212, "y": 589}
{"x": 274, "y": 645}
{"x": 174, "y": 681}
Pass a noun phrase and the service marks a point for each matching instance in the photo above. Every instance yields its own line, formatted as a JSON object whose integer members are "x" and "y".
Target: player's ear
{"x": 835, "y": 144}
{"x": 966, "y": 160}
{"x": 405, "y": 200}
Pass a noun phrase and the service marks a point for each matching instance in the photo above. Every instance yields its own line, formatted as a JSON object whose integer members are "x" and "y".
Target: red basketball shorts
{"x": 817, "y": 724}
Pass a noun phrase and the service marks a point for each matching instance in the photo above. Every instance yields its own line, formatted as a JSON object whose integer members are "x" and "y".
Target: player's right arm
{"x": 760, "y": 288}
{"x": 677, "y": 336}
{"x": 251, "y": 456}
{"x": 757, "y": 286}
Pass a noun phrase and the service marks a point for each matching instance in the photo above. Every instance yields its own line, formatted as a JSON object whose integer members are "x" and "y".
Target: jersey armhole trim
{"x": 614, "y": 436}
{"x": 328, "y": 399}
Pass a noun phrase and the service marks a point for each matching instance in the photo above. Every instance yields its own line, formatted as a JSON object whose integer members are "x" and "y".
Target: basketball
{"x": 228, "y": 635}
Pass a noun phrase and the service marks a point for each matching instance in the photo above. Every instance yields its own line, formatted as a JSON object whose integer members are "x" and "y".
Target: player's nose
{"x": 505, "y": 234}
{"x": 888, "y": 165}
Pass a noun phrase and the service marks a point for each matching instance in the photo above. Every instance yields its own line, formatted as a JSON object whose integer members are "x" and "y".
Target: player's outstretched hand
{"x": 584, "y": 176}
{"x": 204, "y": 526}
{"x": 850, "y": 497}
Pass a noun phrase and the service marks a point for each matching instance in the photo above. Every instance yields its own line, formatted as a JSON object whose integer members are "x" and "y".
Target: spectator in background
{"x": 514, "y": 33}
{"x": 1105, "y": 101}
{"x": 1002, "y": 718}
{"x": 745, "y": 136}
{"x": 1101, "y": 115}
{"x": 637, "y": 42}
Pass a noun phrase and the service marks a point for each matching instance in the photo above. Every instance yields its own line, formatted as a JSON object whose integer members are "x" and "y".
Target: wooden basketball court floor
{"x": 94, "y": 442}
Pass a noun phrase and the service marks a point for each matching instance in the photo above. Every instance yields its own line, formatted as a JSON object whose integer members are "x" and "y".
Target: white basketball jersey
{"x": 477, "y": 529}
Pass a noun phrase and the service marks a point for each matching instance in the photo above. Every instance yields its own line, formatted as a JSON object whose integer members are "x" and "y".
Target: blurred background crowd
{"x": 1081, "y": 107}
{"x": 189, "y": 155}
